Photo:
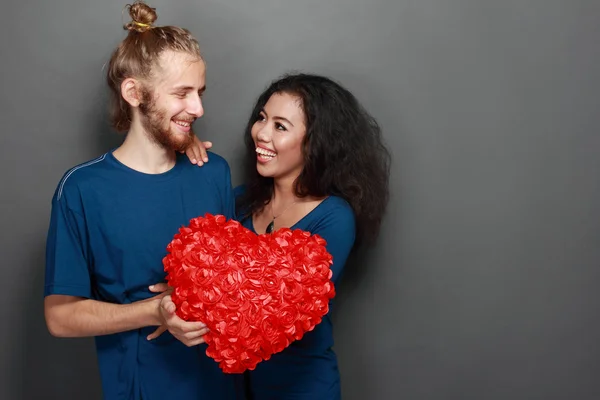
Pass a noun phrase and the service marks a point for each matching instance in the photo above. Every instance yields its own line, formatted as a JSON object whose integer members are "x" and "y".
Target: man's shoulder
{"x": 216, "y": 161}
{"x": 81, "y": 174}
{"x": 216, "y": 165}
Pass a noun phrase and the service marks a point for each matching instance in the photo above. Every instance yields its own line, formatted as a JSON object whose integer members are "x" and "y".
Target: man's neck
{"x": 140, "y": 153}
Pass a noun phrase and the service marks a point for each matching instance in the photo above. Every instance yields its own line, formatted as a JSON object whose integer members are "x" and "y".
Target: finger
{"x": 193, "y": 151}
{"x": 190, "y": 327}
{"x": 185, "y": 326}
{"x": 198, "y": 150}
{"x": 166, "y": 303}
{"x": 191, "y": 154}
{"x": 203, "y": 153}
{"x": 159, "y": 331}
{"x": 207, "y": 144}
{"x": 199, "y": 153}
{"x": 194, "y": 342}
{"x": 195, "y": 334}
{"x": 159, "y": 287}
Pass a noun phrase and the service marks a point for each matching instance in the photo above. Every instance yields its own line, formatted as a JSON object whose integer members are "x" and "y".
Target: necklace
{"x": 271, "y": 225}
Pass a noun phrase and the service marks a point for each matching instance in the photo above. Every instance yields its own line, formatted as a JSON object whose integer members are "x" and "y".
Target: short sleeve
{"x": 338, "y": 228}
{"x": 67, "y": 268}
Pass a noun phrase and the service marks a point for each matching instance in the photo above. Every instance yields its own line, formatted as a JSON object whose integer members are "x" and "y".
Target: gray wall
{"x": 484, "y": 284}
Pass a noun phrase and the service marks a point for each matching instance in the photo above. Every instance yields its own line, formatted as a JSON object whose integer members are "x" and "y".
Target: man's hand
{"x": 163, "y": 289}
{"x": 188, "y": 333}
{"x": 196, "y": 152}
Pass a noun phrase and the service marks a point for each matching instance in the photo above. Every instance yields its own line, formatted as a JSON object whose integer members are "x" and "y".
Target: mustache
{"x": 187, "y": 118}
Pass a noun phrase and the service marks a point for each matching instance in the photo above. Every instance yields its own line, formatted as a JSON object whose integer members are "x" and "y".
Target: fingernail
{"x": 151, "y": 286}
{"x": 205, "y": 159}
{"x": 193, "y": 161}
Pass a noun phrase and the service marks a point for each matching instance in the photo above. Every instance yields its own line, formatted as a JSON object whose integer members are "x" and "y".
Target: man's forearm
{"x": 68, "y": 316}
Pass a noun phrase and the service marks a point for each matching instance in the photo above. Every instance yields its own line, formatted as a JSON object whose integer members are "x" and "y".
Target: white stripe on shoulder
{"x": 87, "y": 164}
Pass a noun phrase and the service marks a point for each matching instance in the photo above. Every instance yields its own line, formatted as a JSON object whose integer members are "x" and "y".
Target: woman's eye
{"x": 280, "y": 127}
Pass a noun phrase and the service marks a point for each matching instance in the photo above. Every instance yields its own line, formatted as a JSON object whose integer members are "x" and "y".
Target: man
{"x": 113, "y": 217}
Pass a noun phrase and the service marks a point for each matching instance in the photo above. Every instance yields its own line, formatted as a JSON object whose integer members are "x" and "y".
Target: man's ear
{"x": 131, "y": 92}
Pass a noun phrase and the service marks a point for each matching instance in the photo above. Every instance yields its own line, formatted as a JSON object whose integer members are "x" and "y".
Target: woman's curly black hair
{"x": 344, "y": 154}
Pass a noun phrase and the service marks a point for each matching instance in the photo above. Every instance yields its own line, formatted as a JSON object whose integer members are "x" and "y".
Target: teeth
{"x": 183, "y": 123}
{"x": 264, "y": 152}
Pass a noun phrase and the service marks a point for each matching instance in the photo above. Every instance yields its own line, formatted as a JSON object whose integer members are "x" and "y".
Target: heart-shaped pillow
{"x": 256, "y": 293}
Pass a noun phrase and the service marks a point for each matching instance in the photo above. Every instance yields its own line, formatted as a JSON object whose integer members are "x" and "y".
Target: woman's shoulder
{"x": 337, "y": 204}
{"x": 334, "y": 213}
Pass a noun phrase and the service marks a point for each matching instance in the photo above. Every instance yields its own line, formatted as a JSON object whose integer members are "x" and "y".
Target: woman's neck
{"x": 283, "y": 191}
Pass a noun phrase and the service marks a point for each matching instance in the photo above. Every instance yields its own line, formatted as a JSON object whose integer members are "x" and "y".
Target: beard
{"x": 158, "y": 126}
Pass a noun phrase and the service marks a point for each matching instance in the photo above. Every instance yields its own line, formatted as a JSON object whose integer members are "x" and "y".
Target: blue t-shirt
{"x": 308, "y": 369}
{"x": 109, "y": 230}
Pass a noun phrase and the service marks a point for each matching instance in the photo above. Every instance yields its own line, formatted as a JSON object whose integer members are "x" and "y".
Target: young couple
{"x": 317, "y": 163}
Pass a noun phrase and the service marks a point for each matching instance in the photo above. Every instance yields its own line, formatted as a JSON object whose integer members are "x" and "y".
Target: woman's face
{"x": 278, "y": 135}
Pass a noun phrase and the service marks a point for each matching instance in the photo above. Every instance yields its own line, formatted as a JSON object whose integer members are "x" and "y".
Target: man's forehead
{"x": 180, "y": 69}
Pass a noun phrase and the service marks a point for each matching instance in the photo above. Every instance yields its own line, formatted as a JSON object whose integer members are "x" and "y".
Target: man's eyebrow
{"x": 188, "y": 88}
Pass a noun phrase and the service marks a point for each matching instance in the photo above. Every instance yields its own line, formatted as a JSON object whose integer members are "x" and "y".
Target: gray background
{"x": 484, "y": 284}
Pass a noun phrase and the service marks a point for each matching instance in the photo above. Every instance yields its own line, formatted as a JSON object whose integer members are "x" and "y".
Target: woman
{"x": 317, "y": 163}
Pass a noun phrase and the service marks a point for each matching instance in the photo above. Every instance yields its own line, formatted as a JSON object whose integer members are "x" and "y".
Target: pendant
{"x": 270, "y": 226}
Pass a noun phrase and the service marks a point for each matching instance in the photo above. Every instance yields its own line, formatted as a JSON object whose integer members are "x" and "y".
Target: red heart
{"x": 256, "y": 293}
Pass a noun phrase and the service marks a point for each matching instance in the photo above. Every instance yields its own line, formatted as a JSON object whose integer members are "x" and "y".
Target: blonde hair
{"x": 138, "y": 55}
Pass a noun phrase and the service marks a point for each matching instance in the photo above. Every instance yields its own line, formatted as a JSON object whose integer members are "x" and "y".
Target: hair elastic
{"x": 141, "y": 24}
